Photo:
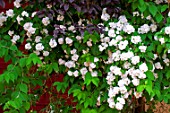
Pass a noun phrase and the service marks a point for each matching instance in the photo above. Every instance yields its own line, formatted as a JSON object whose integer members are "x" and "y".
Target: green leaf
{"x": 23, "y": 87}
{"x": 22, "y": 62}
{"x": 158, "y": 17}
{"x": 88, "y": 78}
{"x": 141, "y": 2}
{"x": 153, "y": 9}
{"x": 27, "y": 106}
{"x": 159, "y": 49}
{"x": 150, "y": 75}
{"x": 142, "y": 8}
{"x": 168, "y": 74}
{"x": 164, "y": 7}
{"x": 140, "y": 88}
{"x": 13, "y": 48}
{"x": 95, "y": 81}
{"x": 55, "y": 67}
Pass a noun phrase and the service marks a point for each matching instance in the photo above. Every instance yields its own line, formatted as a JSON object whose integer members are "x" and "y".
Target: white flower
{"x": 162, "y": 40}
{"x": 136, "y": 39}
{"x": 37, "y": 52}
{"x": 39, "y": 47}
{"x": 142, "y": 48}
{"x": 61, "y": 61}
{"x": 121, "y": 83}
{"x": 126, "y": 65}
{"x": 122, "y": 44}
{"x": 158, "y": 65}
{"x": 45, "y": 53}
{"x": 135, "y": 60}
{"x": 168, "y": 14}
{"x": 2, "y": 19}
{"x": 76, "y": 73}
{"x": 115, "y": 70}
{"x": 112, "y": 104}
{"x": 153, "y": 27}
{"x": 19, "y": 19}
{"x": 75, "y": 57}
{"x": 83, "y": 71}
{"x": 10, "y": 33}
{"x": 24, "y": 13}
{"x": 45, "y": 31}
{"x": 92, "y": 65}
{"x": 136, "y": 13}
{"x": 111, "y": 33}
{"x": 70, "y": 73}
{"x": 52, "y": 43}
{"x": 15, "y": 38}
{"x": 17, "y": 3}
{"x": 119, "y": 106}
{"x": 32, "y": 30}
{"x": 167, "y": 30}
{"x": 143, "y": 67}
{"x": 144, "y": 29}
{"x": 94, "y": 74}
{"x": 113, "y": 42}
{"x": 33, "y": 14}
{"x": 138, "y": 94}
{"x": 71, "y": 28}
{"x": 89, "y": 43}
{"x": 135, "y": 82}
{"x": 28, "y": 46}
{"x": 142, "y": 75}
{"x": 119, "y": 38}
{"x": 38, "y": 39}
{"x": 27, "y": 26}
{"x": 123, "y": 89}
{"x": 121, "y": 100}
{"x": 68, "y": 40}
{"x": 78, "y": 38}
{"x": 129, "y": 29}
{"x": 124, "y": 56}
{"x": 46, "y": 21}
{"x": 10, "y": 13}
{"x": 70, "y": 64}
{"x": 104, "y": 15}
{"x": 96, "y": 59}
{"x": 60, "y": 17}
{"x": 61, "y": 41}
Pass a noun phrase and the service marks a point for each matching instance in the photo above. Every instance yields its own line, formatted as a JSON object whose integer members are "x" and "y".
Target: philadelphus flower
{"x": 46, "y": 21}
{"x": 70, "y": 73}
{"x": 70, "y": 64}
{"x": 119, "y": 106}
{"x": 2, "y": 19}
{"x": 10, "y": 13}
{"x": 76, "y": 73}
{"x": 167, "y": 30}
{"x": 17, "y": 3}
{"x": 92, "y": 65}
{"x": 53, "y": 43}
{"x": 39, "y": 47}
{"x": 61, "y": 41}
{"x": 105, "y": 16}
{"x": 61, "y": 61}
{"x": 45, "y": 53}
{"x": 153, "y": 27}
{"x": 38, "y": 39}
{"x": 122, "y": 44}
{"x": 28, "y": 46}
{"x": 143, "y": 67}
{"x": 129, "y": 29}
{"x": 135, "y": 60}
{"x": 10, "y": 33}
{"x": 158, "y": 65}
{"x": 71, "y": 28}
{"x": 19, "y": 19}
{"x": 68, "y": 40}
{"x": 144, "y": 29}
{"x": 111, "y": 33}
{"x": 142, "y": 48}
{"x": 162, "y": 40}
{"x": 94, "y": 74}
{"x": 33, "y": 14}
{"x": 83, "y": 71}
{"x": 75, "y": 57}
{"x": 15, "y": 38}
{"x": 24, "y": 13}
{"x": 60, "y": 17}
{"x": 135, "y": 82}
{"x": 136, "y": 39}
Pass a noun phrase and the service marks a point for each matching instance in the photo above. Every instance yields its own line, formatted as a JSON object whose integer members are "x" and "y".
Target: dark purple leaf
{"x": 78, "y": 8}
{"x": 66, "y": 7}
{"x": 2, "y": 3}
{"x": 71, "y": 1}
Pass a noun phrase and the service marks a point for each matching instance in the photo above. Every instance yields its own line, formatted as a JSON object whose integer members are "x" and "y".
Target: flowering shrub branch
{"x": 108, "y": 63}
